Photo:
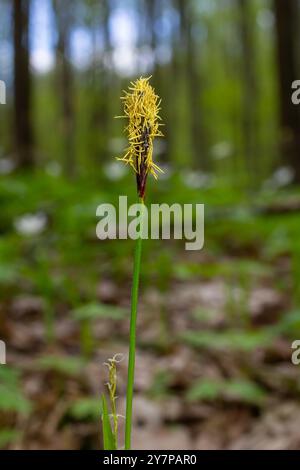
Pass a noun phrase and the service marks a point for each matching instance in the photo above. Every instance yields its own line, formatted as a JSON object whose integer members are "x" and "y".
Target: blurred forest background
{"x": 215, "y": 327}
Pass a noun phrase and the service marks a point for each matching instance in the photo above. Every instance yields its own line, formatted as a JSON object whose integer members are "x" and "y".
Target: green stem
{"x": 132, "y": 336}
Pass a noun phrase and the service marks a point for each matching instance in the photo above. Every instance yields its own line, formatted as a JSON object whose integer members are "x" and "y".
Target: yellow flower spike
{"x": 141, "y": 108}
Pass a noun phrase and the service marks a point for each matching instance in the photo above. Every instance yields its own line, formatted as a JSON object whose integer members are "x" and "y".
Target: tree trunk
{"x": 65, "y": 81}
{"x": 286, "y": 14}
{"x": 151, "y": 9}
{"x": 249, "y": 97}
{"x": 198, "y": 134}
{"x": 191, "y": 64}
{"x": 22, "y": 85}
{"x": 101, "y": 105}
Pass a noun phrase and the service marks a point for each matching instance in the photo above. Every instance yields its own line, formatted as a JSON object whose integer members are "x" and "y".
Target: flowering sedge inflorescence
{"x": 111, "y": 364}
{"x": 141, "y": 108}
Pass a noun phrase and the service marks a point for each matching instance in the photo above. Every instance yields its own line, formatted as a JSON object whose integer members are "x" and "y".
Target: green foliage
{"x": 234, "y": 268}
{"x": 89, "y": 409}
{"x": 66, "y": 365}
{"x": 8, "y": 274}
{"x": 204, "y": 314}
{"x": 94, "y": 310}
{"x": 8, "y": 436}
{"x": 241, "y": 390}
{"x": 12, "y": 400}
{"x": 289, "y": 324}
{"x": 232, "y": 340}
{"x": 204, "y": 390}
{"x": 11, "y": 396}
{"x": 159, "y": 387}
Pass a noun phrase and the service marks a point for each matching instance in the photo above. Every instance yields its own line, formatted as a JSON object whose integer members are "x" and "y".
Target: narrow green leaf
{"x": 109, "y": 440}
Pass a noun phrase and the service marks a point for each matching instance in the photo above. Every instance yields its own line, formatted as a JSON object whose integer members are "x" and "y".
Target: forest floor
{"x": 215, "y": 328}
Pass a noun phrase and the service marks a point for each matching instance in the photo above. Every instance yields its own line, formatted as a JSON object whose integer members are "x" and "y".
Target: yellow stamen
{"x": 141, "y": 108}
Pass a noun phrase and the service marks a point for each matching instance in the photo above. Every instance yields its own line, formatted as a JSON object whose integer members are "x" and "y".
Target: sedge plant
{"x": 110, "y": 420}
{"x": 141, "y": 110}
